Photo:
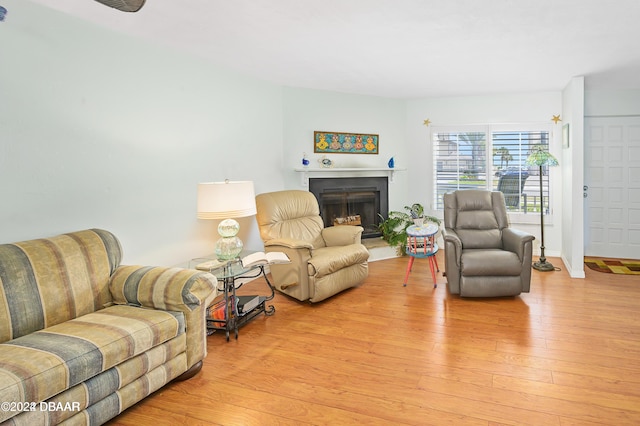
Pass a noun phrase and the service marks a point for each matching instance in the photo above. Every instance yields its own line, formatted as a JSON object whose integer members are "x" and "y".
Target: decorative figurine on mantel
{"x": 391, "y": 163}
{"x": 325, "y": 162}
{"x": 305, "y": 160}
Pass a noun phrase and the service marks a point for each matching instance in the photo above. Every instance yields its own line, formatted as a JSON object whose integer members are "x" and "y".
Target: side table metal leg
{"x": 270, "y": 310}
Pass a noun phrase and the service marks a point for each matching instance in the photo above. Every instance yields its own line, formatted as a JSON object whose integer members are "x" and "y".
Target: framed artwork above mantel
{"x": 344, "y": 143}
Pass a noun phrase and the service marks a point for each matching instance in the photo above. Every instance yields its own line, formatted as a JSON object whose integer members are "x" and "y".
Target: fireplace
{"x": 352, "y": 201}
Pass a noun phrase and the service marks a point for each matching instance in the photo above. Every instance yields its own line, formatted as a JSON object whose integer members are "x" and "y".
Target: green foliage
{"x": 394, "y": 229}
{"x": 416, "y": 210}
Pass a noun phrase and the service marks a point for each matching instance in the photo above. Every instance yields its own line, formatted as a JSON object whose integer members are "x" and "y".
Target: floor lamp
{"x": 539, "y": 157}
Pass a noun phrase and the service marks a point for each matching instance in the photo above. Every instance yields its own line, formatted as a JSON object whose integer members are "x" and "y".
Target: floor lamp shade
{"x": 226, "y": 200}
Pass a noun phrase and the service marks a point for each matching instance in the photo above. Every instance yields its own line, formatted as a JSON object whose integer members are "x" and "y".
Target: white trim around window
{"x": 493, "y": 157}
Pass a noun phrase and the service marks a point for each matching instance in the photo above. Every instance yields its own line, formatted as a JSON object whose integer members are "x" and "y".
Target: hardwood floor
{"x": 568, "y": 353}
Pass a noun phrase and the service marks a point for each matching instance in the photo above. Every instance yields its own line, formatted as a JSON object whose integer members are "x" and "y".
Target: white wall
{"x": 403, "y": 135}
{"x": 572, "y": 166}
{"x": 521, "y": 108}
{"x": 306, "y": 111}
{"x": 101, "y": 130}
{"x": 611, "y": 102}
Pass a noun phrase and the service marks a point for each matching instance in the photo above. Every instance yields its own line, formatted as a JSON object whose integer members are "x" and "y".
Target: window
{"x": 491, "y": 158}
{"x": 460, "y": 159}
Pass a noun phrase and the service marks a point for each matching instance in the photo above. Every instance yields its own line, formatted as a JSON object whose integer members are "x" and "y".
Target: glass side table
{"x": 228, "y": 314}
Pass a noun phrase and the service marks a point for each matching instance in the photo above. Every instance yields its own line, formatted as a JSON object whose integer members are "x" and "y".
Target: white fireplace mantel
{"x": 307, "y": 172}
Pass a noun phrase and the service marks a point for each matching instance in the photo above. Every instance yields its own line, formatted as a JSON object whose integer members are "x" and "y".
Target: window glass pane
{"x": 519, "y": 183}
{"x": 461, "y": 159}
{"x": 460, "y": 162}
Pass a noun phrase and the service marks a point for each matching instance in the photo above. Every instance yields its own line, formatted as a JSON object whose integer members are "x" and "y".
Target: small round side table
{"x": 421, "y": 244}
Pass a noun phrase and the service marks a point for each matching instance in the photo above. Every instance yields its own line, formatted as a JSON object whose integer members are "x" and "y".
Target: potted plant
{"x": 394, "y": 228}
{"x": 417, "y": 213}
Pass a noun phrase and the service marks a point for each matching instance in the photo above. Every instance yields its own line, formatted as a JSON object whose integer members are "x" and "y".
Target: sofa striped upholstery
{"x": 77, "y": 327}
{"x": 109, "y": 393}
{"x": 48, "y": 281}
{"x": 173, "y": 289}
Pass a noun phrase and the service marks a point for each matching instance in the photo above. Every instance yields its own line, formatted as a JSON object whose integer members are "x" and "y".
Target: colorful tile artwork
{"x": 344, "y": 143}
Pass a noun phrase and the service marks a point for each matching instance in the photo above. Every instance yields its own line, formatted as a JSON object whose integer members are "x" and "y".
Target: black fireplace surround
{"x": 351, "y": 200}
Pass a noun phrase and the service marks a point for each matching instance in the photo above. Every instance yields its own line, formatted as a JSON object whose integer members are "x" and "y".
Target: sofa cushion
{"x": 44, "y": 363}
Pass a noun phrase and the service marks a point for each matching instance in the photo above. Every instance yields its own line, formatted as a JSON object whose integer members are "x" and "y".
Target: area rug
{"x": 613, "y": 266}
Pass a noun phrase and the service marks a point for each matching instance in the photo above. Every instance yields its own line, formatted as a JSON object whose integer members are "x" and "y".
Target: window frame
{"x": 491, "y": 181}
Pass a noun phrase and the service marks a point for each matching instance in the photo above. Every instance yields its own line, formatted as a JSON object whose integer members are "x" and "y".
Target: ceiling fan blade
{"x": 124, "y": 5}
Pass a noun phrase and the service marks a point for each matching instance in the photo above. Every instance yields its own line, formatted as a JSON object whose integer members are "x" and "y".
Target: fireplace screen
{"x": 352, "y": 201}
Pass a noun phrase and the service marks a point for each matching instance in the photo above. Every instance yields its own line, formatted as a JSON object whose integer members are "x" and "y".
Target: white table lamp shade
{"x": 222, "y": 200}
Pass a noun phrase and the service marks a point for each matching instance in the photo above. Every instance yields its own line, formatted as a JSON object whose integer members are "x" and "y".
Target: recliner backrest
{"x": 290, "y": 214}
{"x": 477, "y": 216}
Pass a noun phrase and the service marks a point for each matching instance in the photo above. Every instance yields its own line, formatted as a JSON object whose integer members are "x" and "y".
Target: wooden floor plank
{"x": 567, "y": 353}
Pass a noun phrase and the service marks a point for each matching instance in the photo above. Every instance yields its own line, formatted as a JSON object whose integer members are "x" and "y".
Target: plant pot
{"x": 418, "y": 221}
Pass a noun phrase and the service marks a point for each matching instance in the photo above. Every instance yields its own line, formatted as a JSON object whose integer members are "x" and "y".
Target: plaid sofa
{"x": 82, "y": 338}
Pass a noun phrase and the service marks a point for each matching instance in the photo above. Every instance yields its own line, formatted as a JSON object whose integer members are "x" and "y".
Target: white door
{"x": 612, "y": 187}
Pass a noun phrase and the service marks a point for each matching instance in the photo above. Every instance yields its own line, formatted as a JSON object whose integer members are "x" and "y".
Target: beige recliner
{"x": 483, "y": 256}
{"x": 324, "y": 261}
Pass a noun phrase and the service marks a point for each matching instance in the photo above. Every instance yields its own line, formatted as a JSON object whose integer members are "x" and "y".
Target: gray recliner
{"x": 484, "y": 257}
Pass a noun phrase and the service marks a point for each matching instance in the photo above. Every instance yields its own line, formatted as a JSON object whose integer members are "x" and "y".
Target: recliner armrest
{"x": 450, "y": 236}
{"x": 291, "y": 278}
{"x": 342, "y": 235}
{"x": 288, "y": 243}
{"x": 514, "y": 240}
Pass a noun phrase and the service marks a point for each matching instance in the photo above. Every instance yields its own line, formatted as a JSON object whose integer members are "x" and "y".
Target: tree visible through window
{"x": 464, "y": 160}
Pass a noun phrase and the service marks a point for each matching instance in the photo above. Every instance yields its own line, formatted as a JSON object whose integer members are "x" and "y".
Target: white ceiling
{"x": 397, "y": 48}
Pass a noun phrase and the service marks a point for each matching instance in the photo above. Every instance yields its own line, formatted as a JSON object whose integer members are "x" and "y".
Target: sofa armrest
{"x": 515, "y": 240}
{"x": 171, "y": 289}
{"x": 342, "y": 235}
